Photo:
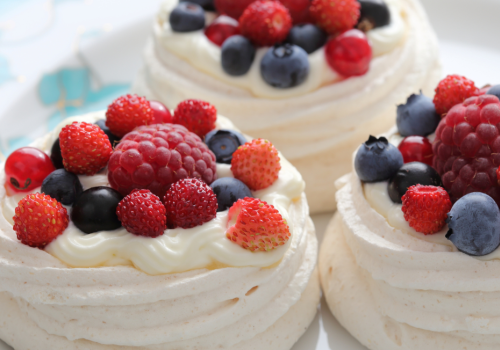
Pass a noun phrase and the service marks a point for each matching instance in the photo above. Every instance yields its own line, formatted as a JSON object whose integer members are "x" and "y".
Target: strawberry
{"x": 128, "y": 112}
{"x": 452, "y": 90}
{"x": 197, "y": 116}
{"x": 335, "y": 16}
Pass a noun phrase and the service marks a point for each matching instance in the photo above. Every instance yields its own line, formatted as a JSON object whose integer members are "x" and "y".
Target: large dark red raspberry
{"x": 467, "y": 147}
{"x": 154, "y": 157}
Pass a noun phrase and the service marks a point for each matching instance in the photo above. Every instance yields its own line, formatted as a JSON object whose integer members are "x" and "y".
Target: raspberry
{"x": 335, "y": 16}
{"x": 256, "y": 163}
{"x": 299, "y": 10}
{"x": 197, "y": 116}
{"x": 232, "y": 8}
{"x": 190, "y": 203}
{"x": 265, "y": 23}
{"x": 85, "y": 148}
{"x": 452, "y": 90}
{"x": 467, "y": 147}
{"x": 154, "y": 157}
{"x": 128, "y": 112}
{"x": 425, "y": 208}
{"x": 257, "y": 226}
{"x": 39, "y": 220}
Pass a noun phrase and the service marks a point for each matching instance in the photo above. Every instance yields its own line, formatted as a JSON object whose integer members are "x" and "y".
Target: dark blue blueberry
{"x": 412, "y": 174}
{"x": 112, "y": 138}
{"x": 237, "y": 55}
{"x": 474, "y": 224}
{"x": 373, "y": 14}
{"x": 307, "y": 36}
{"x": 377, "y": 160}
{"x": 56, "y": 155}
{"x": 95, "y": 210}
{"x": 223, "y": 143}
{"x": 228, "y": 190}
{"x": 187, "y": 17}
{"x": 63, "y": 186}
{"x": 285, "y": 66}
{"x": 208, "y": 5}
{"x": 494, "y": 90}
{"x": 417, "y": 117}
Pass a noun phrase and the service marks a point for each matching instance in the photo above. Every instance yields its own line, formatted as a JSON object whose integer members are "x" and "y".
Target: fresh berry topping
{"x": 196, "y": 115}
{"x": 425, "y": 208}
{"x": 207, "y": 5}
{"x": 221, "y": 29}
{"x": 416, "y": 149}
{"x": 56, "y": 155}
{"x": 85, "y": 148}
{"x": 257, "y": 164}
{"x": 257, "y": 226}
{"x": 187, "y": 17}
{"x": 494, "y": 90}
{"x": 377, "y": 160}
{"x": 349, "y": 54}
{"x": 128, "y": 112}
{"x": 237, "y": 55}
{"x": 467, "y": 147}
{"x": 190, "y": 203}
{"x": 417, "y": 117}
{"x": 39, "y": 220}
{"x": 299, "y": 10}
{"x": 113, "y": 139}
{"x": 63, "y": 186}
{"x": 232, "y": 8}
{"x": 161, "y": 114}
{"x": 143, "y": 214}
{"x": 26, "y": 168}
{"x": 412, "y": 174}
{"x": 307, "y": 36}
{"x": 265, "y": 23}
{"x": 474, "y": 224}
{"x": 285, "y": 66}
{"x": 228, "y": 190}
{"x": 335, "y": 16}
{"x": 373, "y": 14}
{"x": 452, "y": 90}
{"x": 154, "y": 157}
{"x": 95, "y": 210}
{"x": 224, "y": 143}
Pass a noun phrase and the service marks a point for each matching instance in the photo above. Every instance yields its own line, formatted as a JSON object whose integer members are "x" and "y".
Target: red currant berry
{"x": 161, "y": 114}
{"x": 416, "y": 149}
{"x": 349, "y": 54}
{"x": 221, "y": 29}
{"x": 26, "y": 168}
{"x": 299, "y": 10}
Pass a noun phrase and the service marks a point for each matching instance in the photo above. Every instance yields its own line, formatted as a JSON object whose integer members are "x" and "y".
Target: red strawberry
{"x": 85, "y": 148}
{"x": 128, "y": 112}
{"x": 143, "y": 214}
{"x": 257, "y": 226}
{"x": 39, "y": 220}
{"x": 232, "y": 8}
{"x": 335, "y": 16}
{"x": 452, "y": 90}
{"x": 425, "y": 208}
{"x": 265, "y": 23}
{"x": 256, "y": 163}
{"x": 196, "y": 115}
{"x": 190, "y": 203}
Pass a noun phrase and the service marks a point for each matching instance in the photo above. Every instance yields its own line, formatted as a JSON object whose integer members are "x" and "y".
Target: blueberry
{"x": 228, "y": 190}
{"x": 412, "y": 174}
{"x": 307, "y": 36}
{"x": 377, "y": 160}
{"x": 112, "y": 138}
{"x": 474, "y": 224}
{"x": 223, "y": 143}
{"x": 63, "y": 186}
{"x": 237, "y": 55}
{"x": 187, "y": 17}
{"x": 373, "y": 14}
{"x": 95, "y": 210}
{"x": 418, "y": 117}
{"x": 494, "y": 90}
{"x": 285, "y": 66}
{"x": 207, "y": 5}
{"x": 56, "y": 155}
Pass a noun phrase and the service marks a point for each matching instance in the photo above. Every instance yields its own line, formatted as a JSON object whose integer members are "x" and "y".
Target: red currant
{"x": 222, "y": 28}
{"x": 161, "y": 114}
{"x": 349, "y": 54}
{"x": 232, "y": 8}
{"x": 26, "y": 168}
{"x": 416, "y": 149}
{"x": 299, "y": 10}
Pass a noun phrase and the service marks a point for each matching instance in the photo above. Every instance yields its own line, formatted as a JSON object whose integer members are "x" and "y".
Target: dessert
{"x": 410, "y": 260}
{"x": 159, "y": 248}
{"x": 312, "y": 81}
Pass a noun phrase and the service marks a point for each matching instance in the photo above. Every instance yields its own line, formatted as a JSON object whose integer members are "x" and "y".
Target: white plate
{"x": 107, "y": 64}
